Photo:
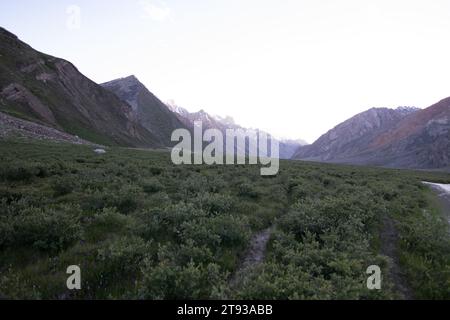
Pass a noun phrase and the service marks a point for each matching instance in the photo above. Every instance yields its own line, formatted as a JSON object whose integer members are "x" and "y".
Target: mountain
{"x": 208, "y": 121}
{"x": 51, "y": 91}
{"x": 180, "y": 112}
{"x": 421, "y": 140}
{"x": 352, "y": 136}
{"x": 147, "y": 109}
{"x": 286, "y": 147}
{"x": 404, "y": 138}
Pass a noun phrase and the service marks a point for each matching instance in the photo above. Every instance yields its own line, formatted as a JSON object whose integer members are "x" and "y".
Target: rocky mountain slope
{"x": 147, "y": 109}
{"x": 52, "y": 92}
{"x": 11, "y": 127}
{"x": 404, "y": 137}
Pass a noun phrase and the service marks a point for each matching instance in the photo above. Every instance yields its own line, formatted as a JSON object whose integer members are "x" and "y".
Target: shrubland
{"x": 140, "y": 227}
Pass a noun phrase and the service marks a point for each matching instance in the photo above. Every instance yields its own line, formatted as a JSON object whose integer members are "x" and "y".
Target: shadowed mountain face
{"x": 52, "y": 92}
{"x": 147, "y": 109}
{"x": 405, "y": 138}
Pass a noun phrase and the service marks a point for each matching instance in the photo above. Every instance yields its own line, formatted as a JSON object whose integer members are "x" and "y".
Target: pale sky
{"x": 293, "y": 68}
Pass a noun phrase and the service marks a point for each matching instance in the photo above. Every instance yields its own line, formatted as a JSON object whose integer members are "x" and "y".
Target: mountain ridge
{"x": 51, "y": 91}
{"x": 147, "y": 108}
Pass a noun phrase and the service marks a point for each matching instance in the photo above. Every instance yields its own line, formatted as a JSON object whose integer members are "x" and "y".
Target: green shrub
{"x": 122, "y": 257}
{"x": 184, "y": 253}
{"x": 62, "y": 187}
{"x": 175, "y": 215}
{"x": 182, "y": 282}
{"x": 193, "y": 185}
{"x": 6, "y": 232}
{"x": 216, "y": 184}
{"x": 214, "y": 203}
{"x": 18, "y": 172}
{"x": 156, "y": 171}
{"x": 127, "y": 200}
{"x": 48, "y": 230}
{"x": 152, "y": 186}
{"x": 107, "y": 221}
{"x": 247, "y": 190}
{"x": 219, "y": 231}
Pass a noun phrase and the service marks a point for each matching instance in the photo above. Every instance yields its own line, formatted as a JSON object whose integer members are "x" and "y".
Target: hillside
{"x": 51, "y": 91}
{"x": 147, "y": 109}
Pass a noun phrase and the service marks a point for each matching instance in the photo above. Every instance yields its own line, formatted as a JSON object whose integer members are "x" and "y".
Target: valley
{"x": 88, "y": 178}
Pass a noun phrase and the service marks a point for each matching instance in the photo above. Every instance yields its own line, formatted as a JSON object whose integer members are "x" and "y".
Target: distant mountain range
{"x": 403, "y": 138}
{"x": 287, "y": 147}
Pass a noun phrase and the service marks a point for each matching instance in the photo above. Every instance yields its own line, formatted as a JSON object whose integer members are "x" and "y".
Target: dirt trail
{"x": 389, "y": 242}
{"x": 254, "y": 256}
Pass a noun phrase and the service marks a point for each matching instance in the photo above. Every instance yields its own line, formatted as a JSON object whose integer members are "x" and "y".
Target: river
{"x": 443, "y": 191}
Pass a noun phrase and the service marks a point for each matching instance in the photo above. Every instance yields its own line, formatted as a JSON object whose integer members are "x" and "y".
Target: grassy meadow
{"x": 140, "y": 227}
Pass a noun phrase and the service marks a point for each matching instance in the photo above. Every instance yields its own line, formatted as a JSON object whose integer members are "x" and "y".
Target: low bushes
{"x": 152, "y": 186}
{"x": 49, "y": 230}
{"x": 192, "y": 281}
{"x": 140, "y": 227}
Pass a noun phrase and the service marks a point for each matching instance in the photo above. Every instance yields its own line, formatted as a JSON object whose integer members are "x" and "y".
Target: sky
{"x": 295, "y": 68}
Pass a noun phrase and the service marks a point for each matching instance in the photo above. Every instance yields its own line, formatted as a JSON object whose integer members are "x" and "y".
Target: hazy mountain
{"x": 51, "y": 91}
{"x": 208, "y": 121}
{"x": 148, "y": 110}
{"x": 179, "y": 111}
{"x": 287, "y": 147}
{"x": 404, "y": 137}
